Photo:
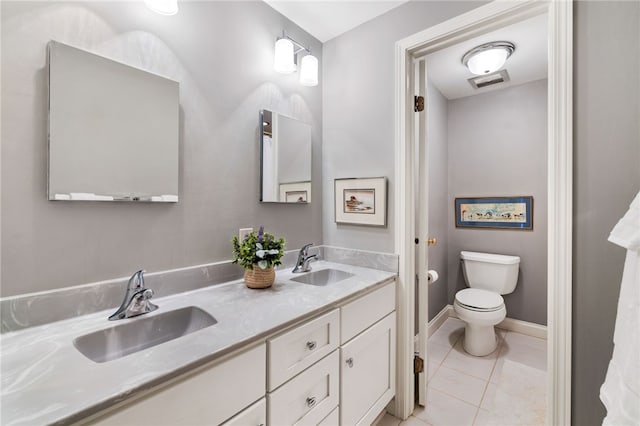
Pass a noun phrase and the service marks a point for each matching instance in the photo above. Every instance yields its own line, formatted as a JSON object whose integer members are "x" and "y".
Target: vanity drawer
{"x": 297, "y": 349}
{"x": 308, "y": 398}
{"x": 209, "y": 395}
{"x": 255, "y": 415}
{"x": 358, "y": 315}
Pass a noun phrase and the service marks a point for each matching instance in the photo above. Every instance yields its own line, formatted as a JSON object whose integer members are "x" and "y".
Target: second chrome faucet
{"x": 302, "y": 265}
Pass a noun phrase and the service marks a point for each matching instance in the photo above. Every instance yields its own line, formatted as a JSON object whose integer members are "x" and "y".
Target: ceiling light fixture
{"x": 163, "y": 7}
{"x": 488, "y": 57}
{"x": 285, "y": 60}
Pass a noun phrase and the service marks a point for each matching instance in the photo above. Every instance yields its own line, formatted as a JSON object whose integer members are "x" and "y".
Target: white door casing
{"x": 422, "y": 223}
{"x": 559, "y": 250}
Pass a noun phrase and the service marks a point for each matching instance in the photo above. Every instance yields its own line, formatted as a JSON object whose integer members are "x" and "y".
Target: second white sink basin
{"x": 323, "y": 277}
{"x": 142, "y": 333}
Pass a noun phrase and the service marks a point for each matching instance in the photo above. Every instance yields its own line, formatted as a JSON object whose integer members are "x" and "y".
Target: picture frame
{"x": 494, "y": 212}
{"x": 295, "y": 196}
{"x": 361, "y": 201}
{"x": 295, "y": 192}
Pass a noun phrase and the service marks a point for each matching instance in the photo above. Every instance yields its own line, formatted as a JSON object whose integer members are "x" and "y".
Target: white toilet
{"x": 481, "y": 305}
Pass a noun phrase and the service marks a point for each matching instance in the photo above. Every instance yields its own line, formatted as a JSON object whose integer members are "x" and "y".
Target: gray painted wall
{"x": 606, "y": 178}
{"x": 439, "y": 206}
{"x": 358, "y": 108}
{"x": 498, "y": 147}
{"x": 221, "y": 53}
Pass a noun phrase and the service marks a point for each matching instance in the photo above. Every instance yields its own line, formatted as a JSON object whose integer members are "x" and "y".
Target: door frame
{"x": 559, "y": 186}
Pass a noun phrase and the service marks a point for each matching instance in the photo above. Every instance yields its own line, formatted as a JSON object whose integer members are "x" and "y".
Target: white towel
{"x": 626, "y": 233}
{"x": 620, "y": 391}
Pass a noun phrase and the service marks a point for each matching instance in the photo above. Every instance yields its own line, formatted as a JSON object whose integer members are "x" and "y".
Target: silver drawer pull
{"x": 311, "y": 401}
{"x": 311, "y": 345}
{"x": 349, "y": 362}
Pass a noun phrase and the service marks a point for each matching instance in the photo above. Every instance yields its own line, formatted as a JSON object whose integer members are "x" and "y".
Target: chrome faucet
{"x": 302, "y": 265}
{"x": 136, "y": 299}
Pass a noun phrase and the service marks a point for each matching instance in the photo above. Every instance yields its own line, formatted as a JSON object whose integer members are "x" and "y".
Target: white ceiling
{"x": 328, "y": 19}
{"x": 527, "y": 63}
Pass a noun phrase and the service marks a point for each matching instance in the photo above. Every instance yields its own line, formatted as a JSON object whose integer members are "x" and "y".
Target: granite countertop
{"x": 45, "y": 379}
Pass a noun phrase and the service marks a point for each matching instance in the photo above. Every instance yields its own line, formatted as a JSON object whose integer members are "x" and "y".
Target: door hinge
{"x": 418, "y": 364}
{"x": 418, "y": 103}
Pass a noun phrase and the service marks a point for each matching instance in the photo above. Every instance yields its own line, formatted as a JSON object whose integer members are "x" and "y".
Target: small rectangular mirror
{"x": 113, "y": 130}
{"x": 285, "y": 154}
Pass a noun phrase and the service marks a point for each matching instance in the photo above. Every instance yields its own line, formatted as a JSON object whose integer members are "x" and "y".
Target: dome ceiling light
{"x": 488, "y": 57}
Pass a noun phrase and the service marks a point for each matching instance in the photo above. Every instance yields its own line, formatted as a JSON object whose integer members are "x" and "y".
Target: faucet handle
{"x": 136, "y": 281}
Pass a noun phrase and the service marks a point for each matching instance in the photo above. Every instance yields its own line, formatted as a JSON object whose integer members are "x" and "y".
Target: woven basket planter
{"x": 259, "y": 278}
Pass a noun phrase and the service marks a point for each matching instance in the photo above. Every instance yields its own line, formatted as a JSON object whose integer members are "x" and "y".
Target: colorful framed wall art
{"x": 494, "y": 212}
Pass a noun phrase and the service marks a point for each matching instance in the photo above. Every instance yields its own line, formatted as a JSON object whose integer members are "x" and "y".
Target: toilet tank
{"x": 493, "y": 272}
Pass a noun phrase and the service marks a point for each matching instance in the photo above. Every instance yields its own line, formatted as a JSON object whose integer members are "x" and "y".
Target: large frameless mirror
{"x": 113, "y": 130}
{"x": 285, "y": 152}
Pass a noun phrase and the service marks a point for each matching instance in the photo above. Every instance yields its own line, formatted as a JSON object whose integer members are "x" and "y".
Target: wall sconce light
{"x": 285, "y": 60}
{"x": 163, "y": 7}
{"x": 488, "y": 57}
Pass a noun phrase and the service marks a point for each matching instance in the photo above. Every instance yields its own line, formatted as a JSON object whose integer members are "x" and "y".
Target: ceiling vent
{"x": 489, "y": 79}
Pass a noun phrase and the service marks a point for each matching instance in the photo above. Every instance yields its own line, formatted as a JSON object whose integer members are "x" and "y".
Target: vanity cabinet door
{"x": 367, "y": 380}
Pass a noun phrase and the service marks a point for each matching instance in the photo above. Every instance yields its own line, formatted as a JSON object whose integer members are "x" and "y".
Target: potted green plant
{"x": 258, "y": 253}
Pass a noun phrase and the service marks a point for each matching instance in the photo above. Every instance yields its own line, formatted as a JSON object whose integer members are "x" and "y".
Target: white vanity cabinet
{"x": 335, "y": 369}
{"x": 210, "y": 395}
{"x": 367, "y": 356}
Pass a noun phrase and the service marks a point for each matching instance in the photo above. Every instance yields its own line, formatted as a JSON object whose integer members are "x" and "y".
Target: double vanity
{"x": 315, "y": 348}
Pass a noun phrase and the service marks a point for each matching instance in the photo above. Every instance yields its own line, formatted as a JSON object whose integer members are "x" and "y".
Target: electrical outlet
{"x": 243, "y": 232}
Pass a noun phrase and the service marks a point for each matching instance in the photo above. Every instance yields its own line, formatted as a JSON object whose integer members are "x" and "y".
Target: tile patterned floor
{"x": 505, "y": 388}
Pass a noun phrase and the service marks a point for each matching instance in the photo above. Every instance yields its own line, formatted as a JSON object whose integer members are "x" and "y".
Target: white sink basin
{"x": 323, "y": 277}
{"x": 142, "y": 333}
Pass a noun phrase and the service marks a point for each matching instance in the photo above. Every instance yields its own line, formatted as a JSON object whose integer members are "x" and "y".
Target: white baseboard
{"x": 523, "y": 327}
{"x": 509, "y": 324}
{"x": 439, "y": 319}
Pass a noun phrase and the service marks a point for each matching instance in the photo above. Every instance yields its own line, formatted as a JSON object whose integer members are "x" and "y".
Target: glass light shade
{"x": 283, "y": 57}
{"x": 487, "y": 61}
{"x": 163, "y": 7}
{"x": 309, "y": 71}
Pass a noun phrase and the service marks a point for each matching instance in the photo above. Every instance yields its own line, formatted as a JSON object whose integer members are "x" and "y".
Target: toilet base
{"x": 479, "y": 340}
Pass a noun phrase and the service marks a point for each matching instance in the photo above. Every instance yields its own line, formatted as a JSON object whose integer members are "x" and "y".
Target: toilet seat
{"x": 479, "y": 300}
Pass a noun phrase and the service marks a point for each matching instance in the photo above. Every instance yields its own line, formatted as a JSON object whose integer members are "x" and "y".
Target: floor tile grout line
{"x": 475, "y": 418}
{"x": 455, "y": 397}
{"x": 504, "y": 340}
{"x": 486, "y": 386}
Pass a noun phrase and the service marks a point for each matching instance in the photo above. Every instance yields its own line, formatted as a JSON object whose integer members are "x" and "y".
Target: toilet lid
{"x": 479, "y": 299}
